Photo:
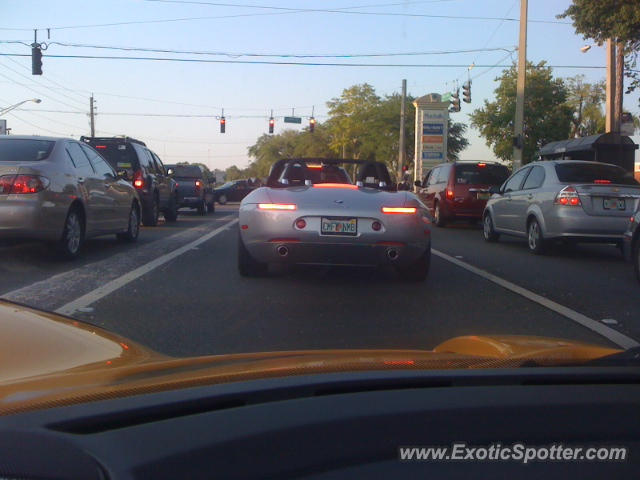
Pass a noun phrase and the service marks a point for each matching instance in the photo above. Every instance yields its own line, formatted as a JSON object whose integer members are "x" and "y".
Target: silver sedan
{"x": 573, "y": 200}
{"x": 311, "y": 213}
{"x": 61, "y": 191}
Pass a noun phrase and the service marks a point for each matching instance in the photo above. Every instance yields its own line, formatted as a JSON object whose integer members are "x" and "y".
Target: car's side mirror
{"x": 121, "y": 174}
{"x": 418, "y": 183}
{"x": 169, "y": 171}
{"x": 494, "y": 189}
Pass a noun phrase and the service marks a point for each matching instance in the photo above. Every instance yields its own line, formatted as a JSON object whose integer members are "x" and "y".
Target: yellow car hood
{"x": 49, "y": 360}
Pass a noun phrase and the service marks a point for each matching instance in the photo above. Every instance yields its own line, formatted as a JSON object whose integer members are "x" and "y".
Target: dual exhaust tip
{"x": 282, "y": 250}
{"x": 392, "y": 253}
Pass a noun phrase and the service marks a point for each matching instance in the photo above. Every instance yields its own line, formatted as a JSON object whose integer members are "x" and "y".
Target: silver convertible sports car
{"x": 310, "y": 212}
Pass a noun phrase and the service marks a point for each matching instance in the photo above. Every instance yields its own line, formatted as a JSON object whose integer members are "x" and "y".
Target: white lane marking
{"x": 115, "y": 284}
{"x": 607, "y": 332}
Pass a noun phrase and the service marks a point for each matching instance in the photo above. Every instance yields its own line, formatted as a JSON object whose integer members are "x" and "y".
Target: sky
{"x": 127, "y": 92}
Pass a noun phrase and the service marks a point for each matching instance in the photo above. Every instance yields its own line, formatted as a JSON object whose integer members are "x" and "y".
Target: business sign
{"x": 433, "y": 129}
{"x": 432, "y": 156}
{"x": 433, "y": 115}
{"x": 3, "y": 127}
{"x": 432, "y": 139}
{"x": 432, "y": 147}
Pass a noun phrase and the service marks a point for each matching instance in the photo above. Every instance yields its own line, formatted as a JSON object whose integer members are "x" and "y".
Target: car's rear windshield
{"x": 481, "y": 174}
{"x": 328, "y": 174}
{"x": 121, "y": 156}
{"x": 593, "y": 173}
{"x": 24, "y": 150}
{"x": 186, "y": 171}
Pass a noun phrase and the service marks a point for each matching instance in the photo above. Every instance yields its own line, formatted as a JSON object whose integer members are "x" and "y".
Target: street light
{"x": 585, "y": 49}
{"x": 8, "y": 109}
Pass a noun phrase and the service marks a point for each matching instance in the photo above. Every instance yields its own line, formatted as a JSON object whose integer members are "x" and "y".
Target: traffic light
{"x": 455, "y": 101}
{"x": 312, "y": 124}
{"x": 272, "y": 124}
{"x": 36, "y": 59}
{"x": 466, "y": 92}
{"x": 223, "y": 124}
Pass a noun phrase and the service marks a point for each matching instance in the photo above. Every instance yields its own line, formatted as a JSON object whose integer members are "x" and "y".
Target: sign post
{"x": 432, "y": 125}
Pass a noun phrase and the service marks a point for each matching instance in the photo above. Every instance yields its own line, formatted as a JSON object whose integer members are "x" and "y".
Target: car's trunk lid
{"x": 609, "y": 199}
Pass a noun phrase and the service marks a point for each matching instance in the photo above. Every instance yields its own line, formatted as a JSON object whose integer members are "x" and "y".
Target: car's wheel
{"x": 133, "y": 229}
{"x": 535, "y": 238}
{"x": 418, "y": 270}
{"x": 437, "y": 216}
{"x": 211, "y": 207}
{"x": 488, "y": 232}
{"x": 636, "y": 257}
{"x": 150, "y": 215}
{"x": 222, "y": 199}
{"x": 247, "y": 265}
{"x": 72, "y": 238}
{"x": 171, "y": 214}
{"x": 202, "y": 208}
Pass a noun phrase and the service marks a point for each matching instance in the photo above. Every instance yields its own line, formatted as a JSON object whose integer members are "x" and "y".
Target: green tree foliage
{"x": 456, "y": 142}
{"x": 616, "y": 19}
{"x": 547, "y": 117}
{"x": 585, "y": 100}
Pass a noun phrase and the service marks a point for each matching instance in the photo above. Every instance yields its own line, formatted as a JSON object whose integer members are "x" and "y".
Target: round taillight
{"x": 376, "y": 226}
{"x": 300, "y": 223}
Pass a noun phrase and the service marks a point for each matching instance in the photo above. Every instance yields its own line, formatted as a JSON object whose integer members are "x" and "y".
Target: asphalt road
{"x": 178, "y": 291}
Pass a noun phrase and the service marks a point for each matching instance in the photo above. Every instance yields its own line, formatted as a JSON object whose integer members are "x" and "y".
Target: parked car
{"x": 62, "y": 191}
{"x": 143, "y": 169}
{"x": 193, "y": 188}
{"x": 631, "y": 242}
{"x": 233, "y": 191}
{"x": 460, "y": 190}
{"x": 573, "y": 200}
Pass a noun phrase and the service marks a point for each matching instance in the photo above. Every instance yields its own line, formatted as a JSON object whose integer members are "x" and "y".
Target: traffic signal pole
{"x": 402, "y": 150}
{"x": 518, "y": 138}
{"x": 92, "y": 117}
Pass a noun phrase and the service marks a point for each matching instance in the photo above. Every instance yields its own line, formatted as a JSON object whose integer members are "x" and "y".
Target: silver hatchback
{"x": 61, "y": 191}
{"x": 573, "y": 200}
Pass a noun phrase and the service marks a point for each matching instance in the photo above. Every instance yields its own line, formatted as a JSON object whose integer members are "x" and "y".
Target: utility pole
{"x": 611, "y": 87}
{"x": 518, "y": 138}
{"x": 402, "y": 154}
{"x": 92, "y": 116}
{"x": 617, "y": 109}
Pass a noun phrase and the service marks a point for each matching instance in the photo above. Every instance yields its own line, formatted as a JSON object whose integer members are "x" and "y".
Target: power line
{"x": 269, "y": 62}
{"x": 145, "y": 114}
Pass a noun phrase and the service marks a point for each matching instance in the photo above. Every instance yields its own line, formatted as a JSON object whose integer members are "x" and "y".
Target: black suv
{"x": 194, "y": 187}
{"x": 136, "y": 163}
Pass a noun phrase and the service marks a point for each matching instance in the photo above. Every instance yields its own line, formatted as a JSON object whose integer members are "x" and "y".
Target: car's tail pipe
{"x": 282, "y": 250}
{"x": 392, "y": 254}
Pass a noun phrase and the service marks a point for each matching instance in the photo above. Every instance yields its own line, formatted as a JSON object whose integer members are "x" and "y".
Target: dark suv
{"x": 460, "y": 190}
{"x": 194, "y": 188}
{"x": 136, "y": 163}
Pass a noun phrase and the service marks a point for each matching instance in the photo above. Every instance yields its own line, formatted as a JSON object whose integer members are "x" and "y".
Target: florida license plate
{"x": 614, "y": 204}
{"x": 483, "y": 195}
{"x": 339, "y": 226}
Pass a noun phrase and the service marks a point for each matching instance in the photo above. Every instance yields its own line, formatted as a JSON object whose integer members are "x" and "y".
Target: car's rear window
{"x": 121, "y": 156}
{"x": 186, "y": 171}
{"x": 481, "y": 174}
{"x": 328, "y": 174}
{"x": 592, "y": 173}
{"x": 24, "y": 150}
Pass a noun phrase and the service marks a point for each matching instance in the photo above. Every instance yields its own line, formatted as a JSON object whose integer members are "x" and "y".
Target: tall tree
{"x": 456, "y": 141}
{"x": 585, "y": 100}
{"x": 547, "y": 117}
{"x": 615, "y": 19}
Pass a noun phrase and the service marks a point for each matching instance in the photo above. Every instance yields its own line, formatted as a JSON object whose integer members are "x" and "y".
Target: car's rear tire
{"x": 418, "y": 270}
{"x": 171, "y": 214}
{"x": 488, "y": 231}
{"x": 247, "y": 265}
{"x": 133, "y": 229}
{"x": 202, "y": 208}
{"x": 535, "y": 239}
{"x": 72, "y": 239}
{"x": 222, "y": 199}
{"x": 437, "y": 216}
{"x": 150, "y": 215}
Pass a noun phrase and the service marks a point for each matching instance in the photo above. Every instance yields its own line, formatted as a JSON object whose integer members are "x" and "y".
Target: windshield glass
{"x": 17, "y": 150}
{"x": 346, "y": 175}
{"x": 592, "y": 173}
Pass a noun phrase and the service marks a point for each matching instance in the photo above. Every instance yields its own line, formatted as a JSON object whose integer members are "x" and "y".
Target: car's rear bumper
{"x": 189, "y": 202}
{"x": 574, "y": 222}
{"x": 461, "y": 209}
{"x": 30, "y": 218}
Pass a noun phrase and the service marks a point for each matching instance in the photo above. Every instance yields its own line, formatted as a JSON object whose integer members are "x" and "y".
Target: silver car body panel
{"x": 589, "y": 221}
{"x": 41, "y": 216}
{"x": 264, "y": 231}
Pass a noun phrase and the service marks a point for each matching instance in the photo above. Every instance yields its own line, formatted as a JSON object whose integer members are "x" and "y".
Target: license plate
{"x": 614, "y": 204}
{"x": 339, "y": 226}
{"x": 484, "y": 195}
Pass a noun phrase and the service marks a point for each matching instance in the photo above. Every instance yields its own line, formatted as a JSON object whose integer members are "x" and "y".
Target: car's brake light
{"x": 315, "y": 167}
{"x": 602, "y": 182}
{"x": 400, "y": 210}
{"x": 276, "y": 206}
{"x": 21, "y": 184}
{"x": 138, "y": 180}
{"x": 482, "y": 165}
{"x": 568, "y": 196}
{"x": 336, "y": 185}
{"x": 198, "y": 185}
{"x": 449, "y": 193}
{"x": 101, "y": 147}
